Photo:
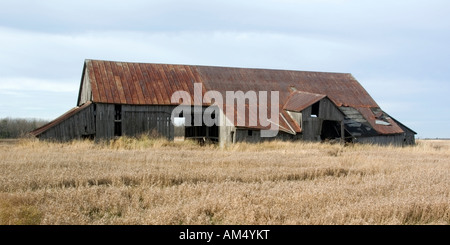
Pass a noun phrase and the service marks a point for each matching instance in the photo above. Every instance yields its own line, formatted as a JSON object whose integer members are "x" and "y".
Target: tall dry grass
{"x": 154, "y": 181}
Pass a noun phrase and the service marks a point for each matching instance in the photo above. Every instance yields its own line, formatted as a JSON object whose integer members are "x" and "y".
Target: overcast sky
{"x": 398, "y": 50}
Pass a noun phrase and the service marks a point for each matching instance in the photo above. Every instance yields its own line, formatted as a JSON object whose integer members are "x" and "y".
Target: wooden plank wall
{"x": 137, "y": 120}
{"x": 242, "y": 136}
{"x": 74, "y": 127}
{"x": 397, "y": 140}
{"x": 312, "y": 126}
{"x": 328, "y": 111}
{"x": 105, "y": 121}
{"x": 410, "y": 138}
{"x": 86, "y": 90}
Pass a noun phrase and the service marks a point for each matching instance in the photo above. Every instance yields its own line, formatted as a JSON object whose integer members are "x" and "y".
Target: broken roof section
{"x": 154, "y": 84}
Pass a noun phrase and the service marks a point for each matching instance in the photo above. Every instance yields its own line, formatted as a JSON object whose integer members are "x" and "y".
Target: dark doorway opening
{"x": 202, "y": 133}
{"x": 330, "y": 130}
{"x": 117, "y": 128}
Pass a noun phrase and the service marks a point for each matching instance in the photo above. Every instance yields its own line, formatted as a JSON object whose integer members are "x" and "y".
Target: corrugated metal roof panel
{"x": 353, "y": 114}
{"x": 290, "y": 122}
{"x": 356, "y": 124}
{"x": 139, "y": 80}
{"x": 341, "y": 88}
{"x": 393, "y": 128}
{"x": 92, "y": 79}
{"x": 298, "y": 100}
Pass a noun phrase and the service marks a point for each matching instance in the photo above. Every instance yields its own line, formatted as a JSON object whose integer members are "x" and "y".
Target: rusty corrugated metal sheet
{"x": 139, "y": 83}
{"x": 154, "y": 84}
{"x": 298, "y": 100}
{"x": 294, "y": 126}
{"x": 60, "y": 119}
{"x": 368, "y": 114}
{"x": 341, "y": 88}
{"x": 144, "y": 84}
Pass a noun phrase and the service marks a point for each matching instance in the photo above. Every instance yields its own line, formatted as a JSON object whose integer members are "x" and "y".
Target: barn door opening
{"x": 202, "y": 133}
{"x": 330, "y": 130}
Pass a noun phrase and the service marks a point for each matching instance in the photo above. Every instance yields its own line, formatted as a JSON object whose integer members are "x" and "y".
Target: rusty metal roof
{"x": 138, "y": 83}
{"x": 150, "y": 84}
{"x": 341, "y": 88}
{"x": 154, "y": 84}
{"x": 60, "y": 119}
{"x": 299, "y": 100}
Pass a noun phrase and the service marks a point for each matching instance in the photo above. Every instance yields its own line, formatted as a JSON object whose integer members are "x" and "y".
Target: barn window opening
{"x": 315, "y": 109}
{"x": 250, "y": 132}
{"x": 118, "y": 112}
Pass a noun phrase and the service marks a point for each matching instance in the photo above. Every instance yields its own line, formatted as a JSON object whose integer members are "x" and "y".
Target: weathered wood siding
{"x": 312, "y": 126}
{"x": 105, "y": 121}
{"x": 328, "y": 111}
{"x": 397, "y": 140}
{"x": 85, "y": 90}
{"x": 137, "y": 120}
{"x": 75, "y": 127}
{"x": 409, "y": 136}
{"x": 242, "y": 135}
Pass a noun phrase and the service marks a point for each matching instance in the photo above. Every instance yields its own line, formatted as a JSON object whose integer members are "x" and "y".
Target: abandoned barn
{"x": 123, "y": 98}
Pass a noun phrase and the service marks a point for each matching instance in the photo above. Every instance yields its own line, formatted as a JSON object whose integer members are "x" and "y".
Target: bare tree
{"x": 18, "y": 127}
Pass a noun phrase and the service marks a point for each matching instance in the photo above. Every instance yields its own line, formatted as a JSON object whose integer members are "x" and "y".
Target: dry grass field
{"x": 148, "y": 181}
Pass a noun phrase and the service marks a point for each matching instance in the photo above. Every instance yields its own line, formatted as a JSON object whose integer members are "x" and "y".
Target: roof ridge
{"x": 218, "y": 66}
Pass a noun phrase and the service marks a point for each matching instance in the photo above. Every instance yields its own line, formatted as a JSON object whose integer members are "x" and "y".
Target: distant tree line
{"x": 18, "y": 127}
